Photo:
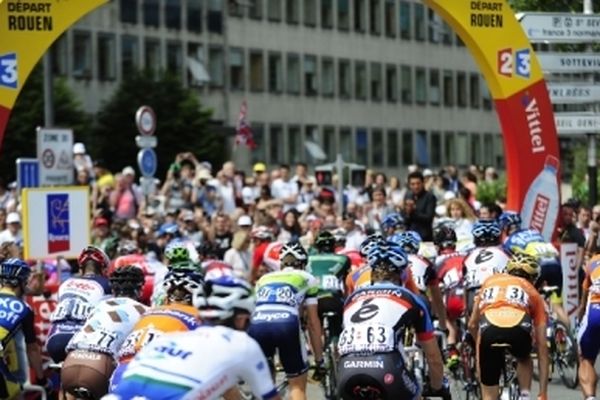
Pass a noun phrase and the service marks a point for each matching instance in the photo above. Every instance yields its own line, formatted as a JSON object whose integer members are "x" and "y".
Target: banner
{"x": 27, "y": 29}
{"x": 570, "y": 295}
{"x": 502, "y": 50}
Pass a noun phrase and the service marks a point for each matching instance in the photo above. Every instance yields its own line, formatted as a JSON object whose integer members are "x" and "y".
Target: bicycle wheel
{"x": 566, "y": 358}
{"x": 469, "y": 371}
{"x": 330, "y": 380}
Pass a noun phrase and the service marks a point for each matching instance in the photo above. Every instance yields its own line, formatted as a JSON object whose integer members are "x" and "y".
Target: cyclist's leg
{"x": 490, "y": 361}
{"x": 292, "y": 353}
{"x": 551, "y": 273}
{"x": 589, "y": 346}
{"x": 520, "y": 340}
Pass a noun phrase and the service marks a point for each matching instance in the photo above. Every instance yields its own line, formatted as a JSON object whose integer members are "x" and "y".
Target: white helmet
{"x": 225, "y": 294}
{"x": 184, "y": 286}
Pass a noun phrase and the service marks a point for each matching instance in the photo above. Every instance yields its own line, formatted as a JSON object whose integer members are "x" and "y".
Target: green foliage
{"x": 28, "y": 114}
{"x": 547, "y": 5}
{"x": 491, "y": 191}
{"x": 580, "y": 183}
{"x": 182, "y": 123}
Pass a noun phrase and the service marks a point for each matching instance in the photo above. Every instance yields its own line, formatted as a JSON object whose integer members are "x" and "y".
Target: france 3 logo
{"x": 514, "y": 62}
{"x": 59, "y": 238}
{"x": 9, "y": 76}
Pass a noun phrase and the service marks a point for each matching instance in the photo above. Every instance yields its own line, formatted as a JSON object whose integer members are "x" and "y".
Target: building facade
{"x": 386, "y": 83}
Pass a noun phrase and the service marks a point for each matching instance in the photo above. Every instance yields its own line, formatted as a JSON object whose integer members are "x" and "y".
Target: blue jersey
{"x": 520, "y": 239}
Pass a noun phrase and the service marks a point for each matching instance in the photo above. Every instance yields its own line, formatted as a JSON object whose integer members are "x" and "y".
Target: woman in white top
{"x": 463, "y": 216}
{"x": 238, "y": 256}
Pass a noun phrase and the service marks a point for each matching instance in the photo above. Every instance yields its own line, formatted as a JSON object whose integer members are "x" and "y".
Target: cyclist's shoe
{"x": 452, "y": 357}
{"x": 320, "y": 371}
{"x": 444, "y": 392}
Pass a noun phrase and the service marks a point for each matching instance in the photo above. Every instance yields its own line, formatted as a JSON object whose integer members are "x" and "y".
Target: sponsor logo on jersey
{"x": 86, "y": 355}
{"x": 82, "y": 285}
{"x": 11, "y": 309}
{"x": 212, "y": 389}
{"x": 172, "y": 351}
{"x": 379, "y": 364}
{"x": 270, "y": 316}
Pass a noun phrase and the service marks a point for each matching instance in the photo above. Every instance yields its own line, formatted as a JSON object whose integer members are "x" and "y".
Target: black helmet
{"x": 325, "y": 242}
{"x": 444, "y": 237}
{"x": 127, "y": 281}
{"x": 207, "y": 249}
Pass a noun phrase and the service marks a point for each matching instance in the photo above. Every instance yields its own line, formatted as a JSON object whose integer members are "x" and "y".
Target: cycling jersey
{"x": 201, "y": 364}
{"x": 482, "y": 263}
{"x": 362, "y": 277}
{"x": 589, "y": 330}
{"x": 330, "y": 269}
{"x": 108, "y": 326}
{"x": 518, "y": 240}
{"x": 422, "y": 272}
{"x": 449, "y": 267}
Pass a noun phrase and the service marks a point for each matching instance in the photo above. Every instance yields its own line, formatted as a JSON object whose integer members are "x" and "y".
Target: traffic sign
{"x": 560, "y": 27}
{"x": 147, "y": 162}
{"x": 145, "y": 141}
{"x": 569, "y": 62}
{"x": 573, "y": 93}
{"x": 145, "y": 120}
{"x": 28, "y": 173}
{"x": 55, "y": 152}
{"x": 577, "y": 123}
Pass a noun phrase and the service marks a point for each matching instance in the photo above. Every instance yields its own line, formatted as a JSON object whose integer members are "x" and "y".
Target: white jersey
{"x": 77, "y": 298}
{"x": 200, "y": 364}
{"x": 108, "y": 326}
{"x": 483, "y": 262}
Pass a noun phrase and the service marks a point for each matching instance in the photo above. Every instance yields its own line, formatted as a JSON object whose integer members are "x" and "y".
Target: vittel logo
{"x": 534, "y": 124}
{"x": 540, "y": 211}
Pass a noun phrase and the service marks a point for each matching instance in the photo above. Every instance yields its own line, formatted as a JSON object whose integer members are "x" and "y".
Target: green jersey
{"x": 330, "y": 269}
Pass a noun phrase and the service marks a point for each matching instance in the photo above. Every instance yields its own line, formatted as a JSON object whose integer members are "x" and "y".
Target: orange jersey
{"x": 504, "y": 300}
{"x": 591, "y": 284}
{"x": 362, "y": 277}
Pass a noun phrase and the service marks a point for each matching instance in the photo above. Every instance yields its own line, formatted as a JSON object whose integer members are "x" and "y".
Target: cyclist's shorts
{"x": 589, "y": 332}
{"x": 280, "y": 330}
{"x": 455, "y": 306}
{"x": 59, "y": 336}
{"x": 551, "y": 273}
{"x": 89, "y": 370}
{"x": 333, "y": 303}
{"x": 384, "y": 376}
{"x": 491, "y": 358}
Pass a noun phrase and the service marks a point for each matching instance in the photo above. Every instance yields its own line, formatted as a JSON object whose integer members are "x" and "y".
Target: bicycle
{"x": 329, "y": 383}
{"x": 464, "y": 384}
{"x": 509, "y": 384}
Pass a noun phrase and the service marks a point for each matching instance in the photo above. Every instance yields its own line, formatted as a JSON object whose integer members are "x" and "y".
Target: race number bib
{"x": 277, "y": 295}
{"x": 138, "y": 339}
{"x": 451, "y": 279}
{"x": 371, "y": 338}
{"x": 516, "y": 295}
{"x": 330, "y": 283}
{"x": 98, "y": 340}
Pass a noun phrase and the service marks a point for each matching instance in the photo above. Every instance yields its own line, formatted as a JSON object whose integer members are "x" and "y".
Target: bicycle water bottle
{"x": 541, "y": 204}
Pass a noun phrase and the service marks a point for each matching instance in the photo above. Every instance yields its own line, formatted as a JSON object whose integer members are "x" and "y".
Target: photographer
{"x": 177, "y": 188}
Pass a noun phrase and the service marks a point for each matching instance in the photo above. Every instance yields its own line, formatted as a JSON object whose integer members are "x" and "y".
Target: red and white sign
{"x": 145, "y": 120}
{"x": 570, "y": 295}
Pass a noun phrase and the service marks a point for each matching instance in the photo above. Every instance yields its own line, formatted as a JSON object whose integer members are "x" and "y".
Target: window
{"x": 488, "y": 148}
{"x": 375, "y": 16}
{"x": 459, "y": 42}
{"x": 407, "y": 147}
{"x": 128, "y": 11}
{"x": 360, "y": 15}
{"x": 392, "y": 148}
{"x": 328, "y": 77}
{"x": 82, "y": 55}
{"x": 419, "y": 21}
{"x": 276, "y": 150}
{"x": 151, "y": 13}
{"x": 390, "y": 18}
{"x": 294, "y": 142}
{"x": 235, "y": 8}
{"x": 60, "y": 56}
{"x": 421, "y": 88}
{"x": 475, "y": 149}
{"x": 448, "y": 88}
{"x": 447, "y": 34}
{"x": 196, "y": 71}
{"x": 474, "y": 90}
{"x": 486, "y": 96}
{"x": 255, "y": 10}
{"x": 422, "y": 149}
{"x": 461, "y": 82}
{"x": 129, "y": 54}
{"x": 106, "y": 57}
{"x": 346, "y": 144}
{"x": 434, "y": 87}
{"x": 152, "y": 56}
{"x": 215, "y": 16}
{"x": 407, "y": 88}
{"x": 360, "y": 80}
{"x": 450, "y": 147}
{"x": 361, "y": 142}
{"x": 436, "y": 149}
{"x": 405, "y": 20}
{"x": 434, "y": 25}
{"x": 174, "y": 58}
{"x": 377, "y": 149}
{"x": 343, "y": 11}
{"x": 236, "y": 69}
{"x": 257, "y": 71}
{"x": 462, "y": 148}
{"x": 275, "y": 73}
{"x": 216, "y": 66}
{"x": 329, "y": 142}
{"x": 259, "y": 154}
{"x": 391, "y": 83}
{"x": 327, "y": 14}
{"x": 345, "y": 79}
{"x": 376, "y": 82}
{"x": 310, "y": 12}
{"x": 292, "y": 11}
{"x": 173, "y": 14}
{"x": 310, "y": 76}
{"x": 274, "y": 10}
{"x": 194, "y": 15}
{"x": 293, "y": 74}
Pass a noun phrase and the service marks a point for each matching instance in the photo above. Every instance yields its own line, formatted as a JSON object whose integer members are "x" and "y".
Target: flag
{"x": 243, "y": 131}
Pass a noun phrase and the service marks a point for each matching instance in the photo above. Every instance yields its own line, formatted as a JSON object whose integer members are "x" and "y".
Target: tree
{"x": 545, "y": 5}
{"x": 28, "y": 114}
{"x": 182, "y": 123}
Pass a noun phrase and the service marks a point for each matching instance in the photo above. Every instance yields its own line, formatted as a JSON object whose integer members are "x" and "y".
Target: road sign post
{"x": 145, "y": 120}
{"x": 28, "y": 173}
{"x": 55, "y": 153}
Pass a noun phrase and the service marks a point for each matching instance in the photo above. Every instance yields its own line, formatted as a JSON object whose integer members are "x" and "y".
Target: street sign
{"x": 573, "y": 93}
{"x": 560, "y": 27}
{"x": 55, "y": 153}
{"x": 569, "y": 62}
{"x": 145, "y": 120}
{"x": 569, "y": 123}
{"x": 147, "y": 162}
{"x": 145, "y": 141}
{"x": 28, "y": 173}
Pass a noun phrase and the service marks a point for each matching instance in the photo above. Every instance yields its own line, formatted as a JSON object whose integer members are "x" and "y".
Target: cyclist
{"x": 77, "y": 297}
{"x": 508, "y": 311}
{"x": 393, "y": 223}
{"x": 275, "y": 323}
{"x": 92, "y": 351}
{"x": 589, "y": 330}
{"x": 16, "y": 327}
{"x": 372, "y": 363}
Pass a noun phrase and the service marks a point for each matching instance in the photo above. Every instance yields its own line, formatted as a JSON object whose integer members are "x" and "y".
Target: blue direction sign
{"x": 28, "y": 173}
{"x": 147, "y": 162}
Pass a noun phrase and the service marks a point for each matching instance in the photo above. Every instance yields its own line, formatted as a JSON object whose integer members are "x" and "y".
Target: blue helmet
{"x": 393, "y": 220}
{"x": 486, "y": 233}
{"x": 509, "y": 219}
{"x": 387, "y": 255}
{"x": 15, "y": 270}
{"x": 409, "y": 241}
{"x": 369, "y": 243}
{"x": 168, "y": 228}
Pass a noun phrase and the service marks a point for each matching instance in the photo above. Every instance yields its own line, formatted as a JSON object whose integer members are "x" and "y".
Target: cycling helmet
{"x": 444, "y": 237}
{"x": 207, "y": 249}
{"x": 293, "y": 255}
{"x": 127, "y": 280}
{"x": 184, "y": 266}
{"x": 486, "y": 233}
{"x": 409, "y": 241}
{"x": 387, "y": 255}
{"x": 262, "y": 232}
{"x": 127, "y": 247}
{"x": 339, "y": 235}
{"x": 370, "y": 242}
{"x": 525, "y": 266}
{"x": 509, "y": 219}
{"x": 393, "y": 221}
{"x": 184, "y": 286}
{"x": 177, "y": 251}
{"x": 168, "y": 228}
{"x": 95, "y": 255}
{"x": 325, "y": 242}
{"x": 14, "y": 271}
{"x": 224, "y": 296}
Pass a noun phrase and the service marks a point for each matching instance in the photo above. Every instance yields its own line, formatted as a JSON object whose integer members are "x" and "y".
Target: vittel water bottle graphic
{"x": 540, "y": 207}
